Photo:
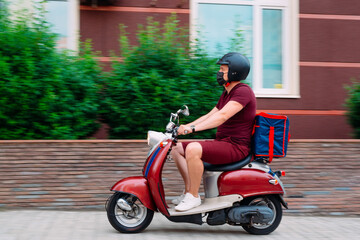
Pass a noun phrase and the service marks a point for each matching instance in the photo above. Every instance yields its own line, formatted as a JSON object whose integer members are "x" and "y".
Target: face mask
{"x": 220, "y": 78}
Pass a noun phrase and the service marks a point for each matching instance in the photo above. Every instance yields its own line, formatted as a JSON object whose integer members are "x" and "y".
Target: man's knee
{"x": 193, "y": 149}
{"x": 177, "y": 150}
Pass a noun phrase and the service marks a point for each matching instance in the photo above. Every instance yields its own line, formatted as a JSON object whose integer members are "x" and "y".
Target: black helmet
{"x": 239, "y": 66}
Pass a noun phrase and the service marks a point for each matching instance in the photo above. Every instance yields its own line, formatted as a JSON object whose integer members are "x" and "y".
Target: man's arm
{"x": 204, "y": 117}
{"x": 218, "y": 118}
{"x": 213, "y": 120}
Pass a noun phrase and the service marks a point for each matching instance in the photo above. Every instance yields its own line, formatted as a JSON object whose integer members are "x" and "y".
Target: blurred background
{"x": 302, "y": 53}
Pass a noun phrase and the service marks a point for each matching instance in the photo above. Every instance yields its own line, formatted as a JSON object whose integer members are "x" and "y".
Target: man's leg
{"x": 177, "y": 153}
{"x": 195, "y": 171}
{"x": 195, "y": 166}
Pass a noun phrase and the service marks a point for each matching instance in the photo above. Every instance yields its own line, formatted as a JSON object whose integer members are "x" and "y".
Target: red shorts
{"x": 220, "y": 152}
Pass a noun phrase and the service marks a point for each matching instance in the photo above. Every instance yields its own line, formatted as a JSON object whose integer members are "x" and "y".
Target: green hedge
{"x": 155, "y": 78}
{"x": 353, "y": 105}
{"x": 45, "y": 94}
{"x": 48, "y": 94}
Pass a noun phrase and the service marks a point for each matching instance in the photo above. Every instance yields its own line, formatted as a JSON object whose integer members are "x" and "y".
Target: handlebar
{"x": 172, "y": 127}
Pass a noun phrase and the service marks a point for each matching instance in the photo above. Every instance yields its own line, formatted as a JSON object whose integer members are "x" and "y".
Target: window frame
{"x": 290, "y": 39}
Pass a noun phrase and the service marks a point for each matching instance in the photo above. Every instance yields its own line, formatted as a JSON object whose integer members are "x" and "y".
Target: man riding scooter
{"x": 233, "y": 116}
{"x": 239, "y": 190}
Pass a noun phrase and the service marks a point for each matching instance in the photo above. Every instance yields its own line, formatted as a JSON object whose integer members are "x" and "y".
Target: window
{"x": 63, "y": 15}
{"x": 266, "y": 31}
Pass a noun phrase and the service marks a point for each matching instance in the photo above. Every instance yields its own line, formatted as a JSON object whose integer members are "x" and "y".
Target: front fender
{"x": 137, "y": 186}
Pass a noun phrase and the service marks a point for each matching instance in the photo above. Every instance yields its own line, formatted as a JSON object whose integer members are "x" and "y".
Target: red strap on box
{"x": 271, "y": 143}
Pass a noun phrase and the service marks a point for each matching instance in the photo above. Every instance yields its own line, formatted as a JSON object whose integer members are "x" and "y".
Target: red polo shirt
{"x": 238, "y": 127}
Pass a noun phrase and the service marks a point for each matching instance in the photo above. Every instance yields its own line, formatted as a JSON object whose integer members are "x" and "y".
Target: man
{"x": 233, "y": 116}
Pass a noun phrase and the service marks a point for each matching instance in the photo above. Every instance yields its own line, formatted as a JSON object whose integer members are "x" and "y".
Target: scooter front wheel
{"x": 132, "y": 218}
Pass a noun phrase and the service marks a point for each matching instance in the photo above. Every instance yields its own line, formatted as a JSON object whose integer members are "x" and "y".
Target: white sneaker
{"x": 188, "y": 203}
{"x": 178, "y": 200}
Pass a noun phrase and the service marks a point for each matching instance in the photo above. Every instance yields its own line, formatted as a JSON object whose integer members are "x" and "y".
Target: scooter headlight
{"x": 154, "y": 138}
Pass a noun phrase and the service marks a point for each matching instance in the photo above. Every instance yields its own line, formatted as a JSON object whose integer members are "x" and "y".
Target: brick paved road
{"x": 61, "y": 225}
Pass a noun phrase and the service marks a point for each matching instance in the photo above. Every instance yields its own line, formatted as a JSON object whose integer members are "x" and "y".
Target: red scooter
{"x": 246, "y": 193}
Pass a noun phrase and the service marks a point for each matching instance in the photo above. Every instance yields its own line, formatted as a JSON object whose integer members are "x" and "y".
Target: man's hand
{"x": 184, "y": 129}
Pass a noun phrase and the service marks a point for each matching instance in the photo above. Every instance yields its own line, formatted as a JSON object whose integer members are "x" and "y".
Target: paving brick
{"x": 92, "y": 225}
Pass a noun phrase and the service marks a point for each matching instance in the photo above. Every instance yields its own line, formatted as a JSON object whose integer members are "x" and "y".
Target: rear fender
{"x": 281, "y": 199}
{"x": 137, "y": 186}
{"x": 247, "y": 183}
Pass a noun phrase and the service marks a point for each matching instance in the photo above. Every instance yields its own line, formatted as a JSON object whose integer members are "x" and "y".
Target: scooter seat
{"x": 228, "y": 166}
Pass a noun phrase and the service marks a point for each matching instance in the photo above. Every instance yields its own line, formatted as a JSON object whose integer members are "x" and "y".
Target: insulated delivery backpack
{"x": 270, "y": 136}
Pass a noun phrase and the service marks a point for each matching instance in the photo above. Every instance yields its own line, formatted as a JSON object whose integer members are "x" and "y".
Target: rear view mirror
{"x": 185, "y": 110}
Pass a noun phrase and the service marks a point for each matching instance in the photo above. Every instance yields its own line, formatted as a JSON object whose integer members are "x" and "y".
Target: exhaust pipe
{"x": 124, "y": 205}
{"x": 254, "y": 214}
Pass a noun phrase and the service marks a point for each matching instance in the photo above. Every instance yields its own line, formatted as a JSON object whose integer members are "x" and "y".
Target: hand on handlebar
{"x": 184, "y": 129}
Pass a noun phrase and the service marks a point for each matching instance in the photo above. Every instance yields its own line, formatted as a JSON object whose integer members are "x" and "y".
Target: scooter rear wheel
{"x": 128, "y": 221}
{"x": 274, "y": 204}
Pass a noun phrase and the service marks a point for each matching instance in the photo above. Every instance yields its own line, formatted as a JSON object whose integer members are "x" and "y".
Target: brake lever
{"x": 175, "y": 133}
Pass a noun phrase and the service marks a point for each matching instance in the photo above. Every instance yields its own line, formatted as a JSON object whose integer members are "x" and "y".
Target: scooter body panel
{"x": 137, "y": 186}
{"x": 247, "y": 183}
{"x": 153, "y": 174}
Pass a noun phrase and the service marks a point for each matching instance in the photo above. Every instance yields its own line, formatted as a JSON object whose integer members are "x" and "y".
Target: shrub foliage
{"x": 49, "y": 94}
{"x": 353, "y": 105}
{"x": 45, "y": 93}
{"x": 156, "y": 77}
